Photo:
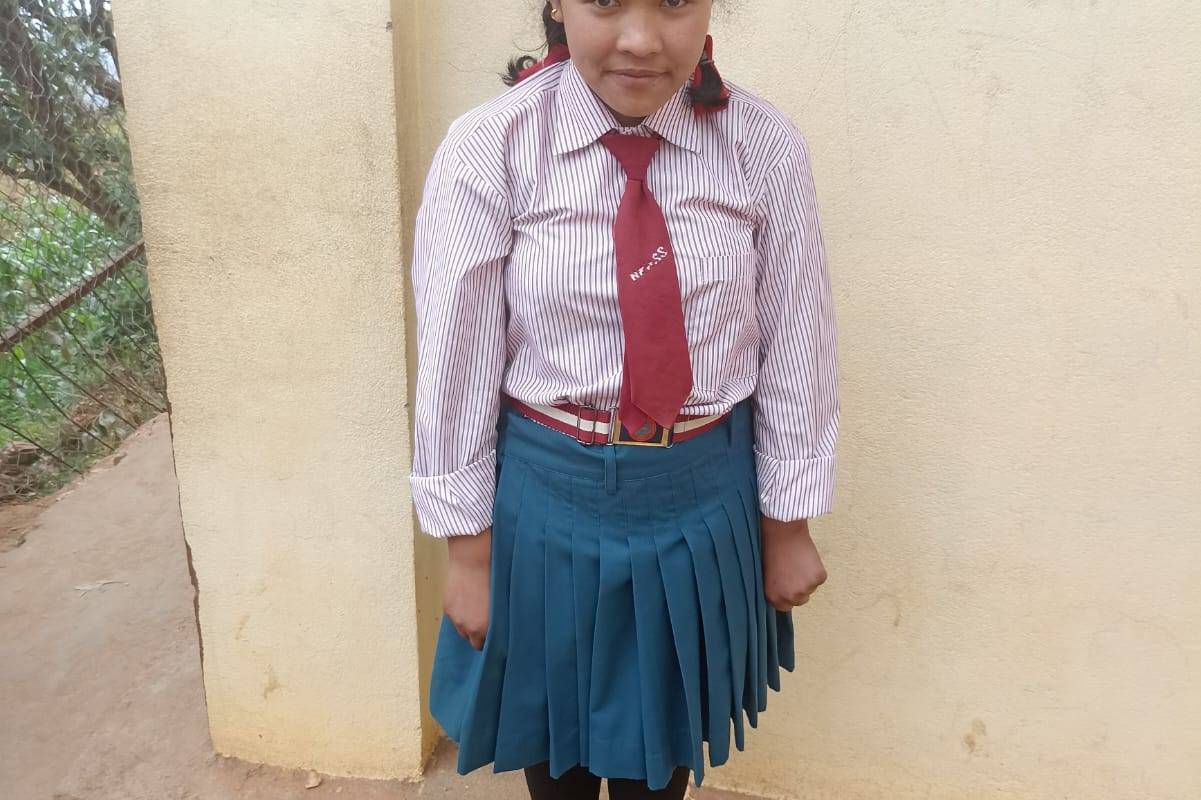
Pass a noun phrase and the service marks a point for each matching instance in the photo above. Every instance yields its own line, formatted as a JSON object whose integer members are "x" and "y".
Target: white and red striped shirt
{"x": 514, "y": 276}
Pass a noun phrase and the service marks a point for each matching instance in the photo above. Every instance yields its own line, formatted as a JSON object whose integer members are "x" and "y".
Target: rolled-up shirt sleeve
{"x": 795, "y": 399}
{"x": 462, "y": 239}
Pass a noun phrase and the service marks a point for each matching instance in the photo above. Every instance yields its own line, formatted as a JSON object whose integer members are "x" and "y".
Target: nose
{"x": 639, "y": 36}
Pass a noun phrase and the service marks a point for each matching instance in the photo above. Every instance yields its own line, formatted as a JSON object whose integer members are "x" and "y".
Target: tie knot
{"x": 632, "y": 151}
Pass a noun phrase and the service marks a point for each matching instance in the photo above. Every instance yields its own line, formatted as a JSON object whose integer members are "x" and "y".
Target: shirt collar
{"x": 581, "y": 117}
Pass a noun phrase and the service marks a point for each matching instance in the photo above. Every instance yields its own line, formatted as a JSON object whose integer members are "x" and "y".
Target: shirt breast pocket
{"x": 721, "y": 322}
{"x": 720, "y": 293}
{"x": 733, "y": 270}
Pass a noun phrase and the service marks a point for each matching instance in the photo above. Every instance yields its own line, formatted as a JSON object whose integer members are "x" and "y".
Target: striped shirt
{"x": 514, "y": 277}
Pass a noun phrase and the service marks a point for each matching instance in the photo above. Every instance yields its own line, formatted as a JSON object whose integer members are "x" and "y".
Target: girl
{"x": 625, "y": 406}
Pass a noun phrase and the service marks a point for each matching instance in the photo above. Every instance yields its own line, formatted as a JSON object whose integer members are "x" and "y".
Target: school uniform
{"x": 627, "y": 620}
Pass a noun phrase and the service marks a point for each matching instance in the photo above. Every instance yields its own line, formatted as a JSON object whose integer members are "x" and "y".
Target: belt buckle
{"x": 665, "y": 437}
{"x": 592, "y": 432}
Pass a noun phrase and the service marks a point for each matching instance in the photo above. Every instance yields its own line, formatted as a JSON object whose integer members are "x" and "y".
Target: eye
{"x": 613, "y": 3}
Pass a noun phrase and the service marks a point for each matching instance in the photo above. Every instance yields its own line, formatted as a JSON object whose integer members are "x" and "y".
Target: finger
{"x": 780, "y": 605}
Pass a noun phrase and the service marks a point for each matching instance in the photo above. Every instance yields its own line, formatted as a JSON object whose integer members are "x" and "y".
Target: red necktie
{"x": 657, "y": 375}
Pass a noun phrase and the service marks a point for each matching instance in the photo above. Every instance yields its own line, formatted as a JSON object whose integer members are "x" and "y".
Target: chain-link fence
{"x": 79, "y": 359}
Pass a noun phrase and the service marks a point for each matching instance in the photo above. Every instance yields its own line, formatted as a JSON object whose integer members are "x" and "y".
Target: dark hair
{"x": 708, "y": 93}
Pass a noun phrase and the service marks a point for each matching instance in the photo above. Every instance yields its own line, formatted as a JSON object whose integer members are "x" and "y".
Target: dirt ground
{"x": 100, "y": 664}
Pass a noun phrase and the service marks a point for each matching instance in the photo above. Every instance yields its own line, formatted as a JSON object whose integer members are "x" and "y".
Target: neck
{"x": 623, "y": 120}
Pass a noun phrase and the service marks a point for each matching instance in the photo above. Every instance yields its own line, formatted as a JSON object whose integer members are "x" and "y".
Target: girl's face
{"x": 612, "y": 42}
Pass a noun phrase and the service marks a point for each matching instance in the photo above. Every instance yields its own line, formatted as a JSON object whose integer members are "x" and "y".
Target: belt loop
{"x": 731, "y": 421}
{"x": 610, "y": 467}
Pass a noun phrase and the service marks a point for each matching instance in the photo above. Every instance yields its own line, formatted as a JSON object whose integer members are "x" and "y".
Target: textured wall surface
{"x": 265, "y": 149}
{"x": 1009, "y": 196}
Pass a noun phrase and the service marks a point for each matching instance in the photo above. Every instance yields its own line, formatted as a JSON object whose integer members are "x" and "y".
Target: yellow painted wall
{"x": 1009, "y": 195}
{"x": 265, "y": 148}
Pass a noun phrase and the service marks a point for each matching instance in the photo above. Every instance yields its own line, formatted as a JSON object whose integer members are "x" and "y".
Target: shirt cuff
{"x": 458, "y": 503}
{"x": 794, "y": 489}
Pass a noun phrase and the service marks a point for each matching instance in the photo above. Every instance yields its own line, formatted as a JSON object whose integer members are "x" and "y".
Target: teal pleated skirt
{"x": 627, "y": 620}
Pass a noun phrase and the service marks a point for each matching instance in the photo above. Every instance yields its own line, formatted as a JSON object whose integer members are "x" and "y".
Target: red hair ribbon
{"x": 556, "y": 53}
{"x": 724, "y": 96}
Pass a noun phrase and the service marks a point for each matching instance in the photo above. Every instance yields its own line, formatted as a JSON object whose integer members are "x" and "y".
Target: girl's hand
{"x": 792, "y": 568}
{"x": 465, "y": 598}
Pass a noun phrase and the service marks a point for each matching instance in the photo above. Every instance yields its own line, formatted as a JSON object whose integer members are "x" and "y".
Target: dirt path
{"x": 99, "y": 660}
{"x": 100, "y": 663}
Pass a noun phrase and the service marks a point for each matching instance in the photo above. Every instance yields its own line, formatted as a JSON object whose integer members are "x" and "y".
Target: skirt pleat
{"x": 616, "y": 745}
{"x": 586, "y": 581}
{"x": 627, "y": 625}
{"x": 753, "y": 596}
{"x": 559, "y": 643}
{"x": 715, "y": 653}
{"x": 738, "y": 612}
{"x": 684, "y": 616}
{"x": 665, "y": 724}
{"x": 767, "y": 643}
{"x": 522, "y": 732}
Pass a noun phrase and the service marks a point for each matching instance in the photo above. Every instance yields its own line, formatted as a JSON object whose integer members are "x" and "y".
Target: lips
{"x": 636, "y": 82}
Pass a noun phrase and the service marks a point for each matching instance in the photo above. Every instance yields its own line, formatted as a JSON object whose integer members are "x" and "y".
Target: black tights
{"x": 578, "y": 783}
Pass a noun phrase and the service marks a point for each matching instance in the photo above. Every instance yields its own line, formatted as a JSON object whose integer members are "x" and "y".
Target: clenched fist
{"x": 792, "y": 568}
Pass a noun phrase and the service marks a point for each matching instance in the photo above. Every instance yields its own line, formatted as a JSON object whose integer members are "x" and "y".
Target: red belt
{"x": 590, "y": 425}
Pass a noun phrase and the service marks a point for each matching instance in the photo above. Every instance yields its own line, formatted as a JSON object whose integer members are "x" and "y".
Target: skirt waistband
{"x": 536, "y": 443}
